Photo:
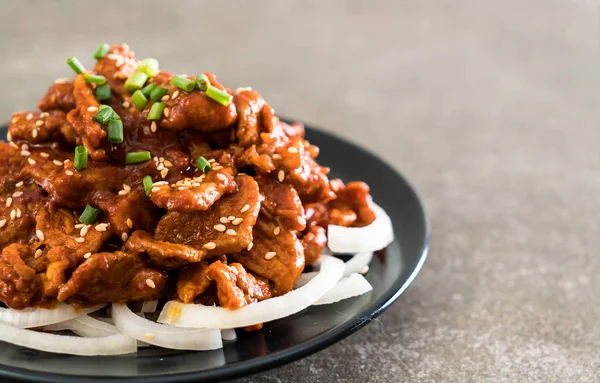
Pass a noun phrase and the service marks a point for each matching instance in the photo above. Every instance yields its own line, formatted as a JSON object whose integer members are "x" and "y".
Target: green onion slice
{"x": 105, "y": 114}
{"x": 218, "y": 95}
{"x": 148, "y": 184}
{"x": 156, "y": 111}
{"x": 101, "y": 51}
{"x": 136, "y": 81}
{"x": 203, "y": 165}
{"x": 81, "y": 157}
{"x": 89, "y": 215}
{"x": 139, "y": 100}
{"x": 137, "y": 157}
{"x": 158, "y": 93}
{"x": 103, "y": 92}
{"x": 94, "y": 78}
{"x": 76, "y": 65}
{"x": 115, "y": 131}
{"x": 202, "y": 81}
{"x": 149, "y": 66}
{"x": 148, "y": 89}
{"x": 183, "y": 83}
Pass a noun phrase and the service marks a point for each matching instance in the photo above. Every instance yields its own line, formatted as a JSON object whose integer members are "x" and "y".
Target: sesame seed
{"x": 40, "y": 234}
{"x": 2, "y": 223}
{"x": 149, "y": 336}
{"x": 44, "y": 114}
{"x": 124, "y": 237}
{"x": 101, "y": 227}
{"x": 166, "y": 112}
{"x": 80, "y": 239}
{"x": 9, "y": 136}
{"x": 220, "y": 228}
{"x": 18, "y": 213}
{"x": 123, "y": 192}
{"x": 126, "y": 187}
{"x": 39, "y": 123}
{"x": 150, "y": 283}
{"x": 181, "y": 188}
{"x": 66, "y": 161}
{"x": 126, "y": 104}
{"x": 223, "y": 220}
{"x": 13, "y": 214}
{"x": 57, "y": 163}
{"x": 34, "y": 133}
{"x": 84, "y": 230}
{"x": 69, "y": 173}
{"x": 210, "y": 245}
{"x": 231, "y": 232}
{"x": 160, "y": 166}
{"x": 196, "y": 184}
{"x": 281, "y": 176}
{"x": 79, "y": 225}
{"x": 17, "y": 194}
{"x": 14, "y": 145}
{"x": 166, "y": 97}
{"x": 175, "y": 94}
{"x": 14, "y": 120}
{"x": 92, "y": 108}
{"x": 231, "y": 218}
{"x": 168, "y": 164}
{"x": 250, "y": 245}
{"x": 161, "y": 159}
{"x": 29, "y": 117}
{"x": 8, "y": 201}
{"x": 44, "y": 154}
{"x": 277, "y": 230}
{"x": 19, "y": 184}
{"x": 301, "y": 221}
{"x": 153, "y": 127}
{"x": 276, "y": 157}
{"x": 87, "y": 255}
{"x": 31, "y": 161}
{"x": 38, "y": 253}
{"x": 155, "y": 189}
{"x": 292, "y": 149}
{"x": 129, "y": 223}
{"x": 245, "y": 208}
{"x": 270, "y": 255}
{"x": 237, "y": 221}
{"x": 164, "y": 172}
{"x": 222, "y": 177}
{"x": 25, "y": 153}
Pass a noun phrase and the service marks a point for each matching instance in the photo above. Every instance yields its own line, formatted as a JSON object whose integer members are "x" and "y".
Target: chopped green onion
{"x": 103, "y": 92}
{"x": 218, "y": 95}
{"x": 203, "y": 165}
{"x": 101, "y": 51}
{"x": 156, "y": 111}
{"x": 158, "y": 93}
{"x": 148, "y": 184}
{"x": 89, "y": 215}
{"x": 137, "y": 157}
{"x": 149, "y": 66}
{"x": 139, "y": 100}
{"x": 136, "y": 81}
{"x": 105, "y": 114}
{"x": 95, "y": 79}
{"x": 81, "y": 157}
{"x": 76, "y": 65}
{"x": 148, "y": 89}
{"x": 202, "y": 81}
{"x": 115, "y": 131}
{"x": 183, "y": 83}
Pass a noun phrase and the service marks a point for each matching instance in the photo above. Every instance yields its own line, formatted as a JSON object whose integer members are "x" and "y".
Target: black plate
{"x": 282, "y": 341}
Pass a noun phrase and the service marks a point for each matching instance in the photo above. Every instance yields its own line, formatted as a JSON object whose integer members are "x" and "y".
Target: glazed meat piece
{"x": 19, "y": 283}
{"x": 235, "y": 287}
{"x": 58, "y": 97}
{"x": 127, "y": 210}
{"x": 116, "y": 66}
{"x": 164, "y": 255}
{"x": 37, "y": 127}
{"x": 225, "y": 228}
{"x": 12, "y": 160}
{"x": 248, "y": 104}
{"x": 113, "y": 277}
{"x": 313, "y": 242}
{"x": 192, "y": 280}
{"x": 194, "y": 194}
{"x": 355, "y": 197}
{"x": 278, "y": 258}
{"x": 282, "y": 204}
{"x": 18, "y": 208}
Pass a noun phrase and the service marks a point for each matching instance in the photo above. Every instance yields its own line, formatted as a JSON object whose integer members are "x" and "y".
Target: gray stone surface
{"x": 489, "y": 107}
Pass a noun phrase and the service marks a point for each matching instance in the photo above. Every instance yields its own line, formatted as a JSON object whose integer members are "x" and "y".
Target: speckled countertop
{"x": 491, "y": 108}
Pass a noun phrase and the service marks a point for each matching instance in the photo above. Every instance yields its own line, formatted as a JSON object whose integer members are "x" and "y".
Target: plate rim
{"x": 277, "y": 358}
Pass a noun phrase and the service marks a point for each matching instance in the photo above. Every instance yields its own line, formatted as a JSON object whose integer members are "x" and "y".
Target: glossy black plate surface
{"x": 282, "y": 341}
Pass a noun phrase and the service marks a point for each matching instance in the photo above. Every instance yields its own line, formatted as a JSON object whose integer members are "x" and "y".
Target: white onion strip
{"x": 38, "y": 317}
{"x": 373, "y": 237}
{"x": 348, "y": 287}
{"x": 228, "y": 334}
{"x": 357, "y": 263}
{"x": 200, "y": 316}
{"x": 164, "y": 336}
{"x": 117, "y": 344}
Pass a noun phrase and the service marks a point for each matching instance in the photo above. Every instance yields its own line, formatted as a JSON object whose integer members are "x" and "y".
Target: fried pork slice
{"x": 116, "y": 66}
{"x": 313, "y": 242}
{"x": 192, "y": 280}
{"x": 113, "y": 277}
{"x": 59, "y": 96}
{"x": 194, "y": 194}
{"x": 235, "y": 287}
{"x": 164, "y": 255}
{"x": 355, "y": 197}
{"x": 248, "y": 104}
{"x": 19, "y": 204}
{"x": 11, "y": 159}
{"x": 37, "y": 127}
{"x": 277, "y": 257}
{"x": 282, "y": 204}
{"x": 223, "y": 229}
{"x": 194, "y": 110}
{"x": 19, "y": 282}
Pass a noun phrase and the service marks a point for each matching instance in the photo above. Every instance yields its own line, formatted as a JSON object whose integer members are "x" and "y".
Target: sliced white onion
{"x": 38, "y": 317}
{"x": 164, "y": 336}
{"x": 357, "y": 263}
{"x": 304, "y": 278}
{"x": 228, "y": 334}
{"x": 200, "y": 316}
{"x": 87, "y": 326}
{"x": 117, "y": 344}
{"x": 149, "y": 307}
{"x": 350, "y": 286}
{"x": 373, "y": 237}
